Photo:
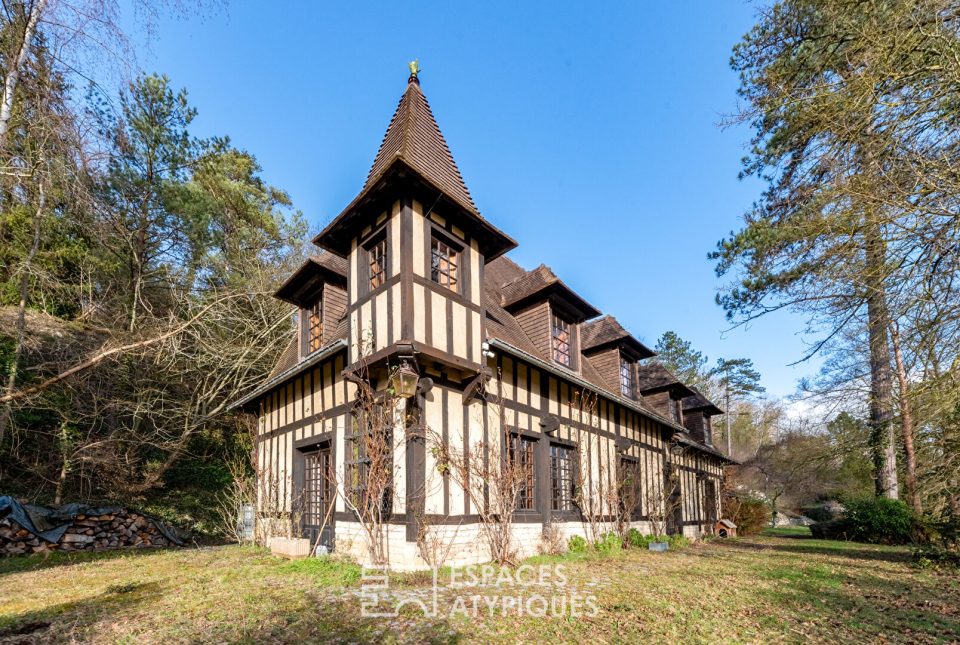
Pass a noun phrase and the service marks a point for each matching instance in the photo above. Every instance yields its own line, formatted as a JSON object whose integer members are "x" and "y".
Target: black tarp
{"x": 51, "y": 523}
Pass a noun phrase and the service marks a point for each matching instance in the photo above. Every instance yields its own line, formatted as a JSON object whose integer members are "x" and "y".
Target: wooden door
{"x": 318, "y": 495}
{"x": 710, "y": 502}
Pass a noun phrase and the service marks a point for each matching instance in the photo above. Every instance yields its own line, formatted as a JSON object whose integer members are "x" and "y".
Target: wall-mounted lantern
{"x": 404, "y": 380}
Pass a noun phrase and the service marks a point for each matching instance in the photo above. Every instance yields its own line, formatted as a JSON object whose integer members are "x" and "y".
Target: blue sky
{"x": 588, "y": 132}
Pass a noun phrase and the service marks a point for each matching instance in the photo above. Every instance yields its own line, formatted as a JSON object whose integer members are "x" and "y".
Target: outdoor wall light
{"x": 404, "y": 380}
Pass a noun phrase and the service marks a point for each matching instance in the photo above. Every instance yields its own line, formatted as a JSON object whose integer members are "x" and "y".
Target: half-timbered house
{"x": 410, "y": 272}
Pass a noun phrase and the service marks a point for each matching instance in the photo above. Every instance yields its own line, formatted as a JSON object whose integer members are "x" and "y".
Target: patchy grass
{"x": 779, "y": 587}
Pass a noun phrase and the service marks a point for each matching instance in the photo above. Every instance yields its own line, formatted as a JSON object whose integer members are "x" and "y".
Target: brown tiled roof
{"x": 331, "y": 261}
{"x": 539, "y": 281}
{"x": 501, "y": 271}
{"x": 654, "y": 376}
{"x": 501, "y": 324}
{"x": 415, "y": 137}
{"x": 311, "y": 274}
{"x": 697, "y": 401}
{"x": 607, "y": 331}
{"x": 413, "y": 142}
{"x": 287, "y": 359}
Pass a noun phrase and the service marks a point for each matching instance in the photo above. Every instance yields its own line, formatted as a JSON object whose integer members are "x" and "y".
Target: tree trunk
{"x": 21, "y": 328}
{"x": 16, "y": 65}
{"x": 883, "y": 439}
{"x": 726, "y": 419}
{"x": 906, "y": 422}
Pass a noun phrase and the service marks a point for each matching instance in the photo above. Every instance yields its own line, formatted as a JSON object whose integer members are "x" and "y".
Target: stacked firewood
{"x": 115, "y": 530}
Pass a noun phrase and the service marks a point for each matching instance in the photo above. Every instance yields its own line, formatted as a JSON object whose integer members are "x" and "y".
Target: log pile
{"x": 118, "y": 529}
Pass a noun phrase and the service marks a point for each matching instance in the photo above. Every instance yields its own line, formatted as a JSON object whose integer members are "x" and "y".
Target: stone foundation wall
{"x": 463, "y": 544}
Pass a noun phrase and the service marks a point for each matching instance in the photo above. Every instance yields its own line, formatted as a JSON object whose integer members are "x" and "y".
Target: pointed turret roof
{"x": 415, "y": 137}
{"x": 414, "y": 161}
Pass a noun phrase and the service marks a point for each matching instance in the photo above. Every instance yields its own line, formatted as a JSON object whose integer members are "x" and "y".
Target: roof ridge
{"x": 414, "y": 137}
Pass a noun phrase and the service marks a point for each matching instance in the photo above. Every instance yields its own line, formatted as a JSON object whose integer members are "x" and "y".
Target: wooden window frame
{"x": 376, "y": 260}
{"x": 637, "y": 512}
{"x": 628, "y": 380}
{"x": 451, "y": 279}
{"x": 556, "y": 352}
{"x": 313, "y": 316}
{"x": 357, "y": 464}
{"x": 563, "y": 476}
{"x": 527, "y": 495}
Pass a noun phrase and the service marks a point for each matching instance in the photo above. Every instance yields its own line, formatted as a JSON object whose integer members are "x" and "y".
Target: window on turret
{"x": 377, "y": 256}
{"x": 443, "y": 264}
{"x": 626, "y": 377}
{"x": 561, "y": 340}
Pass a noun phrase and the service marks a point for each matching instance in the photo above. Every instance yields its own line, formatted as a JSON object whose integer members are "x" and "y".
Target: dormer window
{"x": 377, "y": 257}
{"x": 314, "y": 326}
{"x": 561, "y": 340}
{"x": 675, "y": 410}
{"x": 443, "y": 263}
{"x": 626, "y": 377}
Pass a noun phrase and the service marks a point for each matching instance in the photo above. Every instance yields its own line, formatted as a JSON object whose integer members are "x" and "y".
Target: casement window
{"x": 377, "y": 261}
{"x": 368, "y": 467}
{"x": 630, "y": 492}
{"x": 444, "y": 262}
{"x": 562, "y": 477}
{"x": 521, "y": 461}
{"x": 707, "y": 430}
{"x": 626, "y": 377}
{"x": 561, "y": 339}
{"x": 314, "y": 326}
{"x": 674, "y": 405}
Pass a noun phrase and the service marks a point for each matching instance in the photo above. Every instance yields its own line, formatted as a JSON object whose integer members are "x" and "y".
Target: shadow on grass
{"x": 57, "y": 622}
{"x": 870, "y": 608}
{"x": 39, "y": 561}
{"x": 852, "y": 550}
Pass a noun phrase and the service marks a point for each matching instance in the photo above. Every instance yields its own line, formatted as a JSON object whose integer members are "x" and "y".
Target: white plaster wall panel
{"x": 438, "y": 303}
{"x": 419, "y": 224}
{"x": 419, "y": 318}
{"x": 459, "y": 330}
{"x": 381, "y": 333}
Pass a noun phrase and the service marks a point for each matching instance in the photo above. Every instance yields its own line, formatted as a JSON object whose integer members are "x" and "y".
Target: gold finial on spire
{"x": 414, "y": 66}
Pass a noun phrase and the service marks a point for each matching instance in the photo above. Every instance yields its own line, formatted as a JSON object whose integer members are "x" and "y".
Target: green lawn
{"x": 781, "y": 587}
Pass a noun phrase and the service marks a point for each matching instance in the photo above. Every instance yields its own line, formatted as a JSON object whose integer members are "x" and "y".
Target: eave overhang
{"x": 679, "y": 432}
{"x": 322, "y": 353}
{"x": 306, "y": 281}
{"x": 401, "y": 180}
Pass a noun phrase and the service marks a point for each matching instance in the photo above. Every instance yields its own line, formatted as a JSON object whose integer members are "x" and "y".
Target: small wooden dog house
{"x": 725, "y": 528}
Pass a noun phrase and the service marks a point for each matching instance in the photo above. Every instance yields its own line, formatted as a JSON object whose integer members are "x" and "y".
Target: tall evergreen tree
{"x": 855, "y": 115}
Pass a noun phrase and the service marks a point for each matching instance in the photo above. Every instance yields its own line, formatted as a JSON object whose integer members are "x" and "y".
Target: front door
{"x": 318, "y": 495}
{"x": 710, "y": 502}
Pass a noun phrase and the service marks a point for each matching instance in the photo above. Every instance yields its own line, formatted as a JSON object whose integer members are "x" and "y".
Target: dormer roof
{"x": 543, "y": 284}
{"x": 605, "y": 332}
{"x": 698, "y": 402}
{"x": 414, "y": 155}
{"x": 654, "y": 377}
{"x": 312, "y": 274}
